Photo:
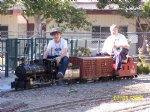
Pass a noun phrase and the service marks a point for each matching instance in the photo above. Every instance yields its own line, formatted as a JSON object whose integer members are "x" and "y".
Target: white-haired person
{"x": 116, "y": 45}
{"x": 58, "y": 48}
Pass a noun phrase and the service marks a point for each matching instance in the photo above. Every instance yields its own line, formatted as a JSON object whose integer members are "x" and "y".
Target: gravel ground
{"x": 117, "y": 91}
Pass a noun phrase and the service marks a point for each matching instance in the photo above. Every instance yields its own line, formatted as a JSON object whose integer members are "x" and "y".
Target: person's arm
{"x": 45, "y": 55}
{"x": 105, "y": 45}
{"x": 122, "y": 43}
{"x": 64, "y": 50}
{"x": 108, "y": 46}
{"x": 123, "y": 46}
{"x": 64, "y": 53}
{"x": 126, "y": 44}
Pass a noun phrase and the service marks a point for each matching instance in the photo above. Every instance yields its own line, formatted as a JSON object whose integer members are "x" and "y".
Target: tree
{"x": 133, "y": 9}
{"x": 62, "y": 12}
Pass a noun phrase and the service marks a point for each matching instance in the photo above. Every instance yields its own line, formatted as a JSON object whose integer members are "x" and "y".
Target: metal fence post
{"x": 85, "y": 43}
{"x": 98, "y": 46}
{"x": 71, "y": 47}
{"x": 76, "y": 44}
{"x": 6, "y": 59}
{"x": 32, "y": 46}
{"x": 16, "y": 52}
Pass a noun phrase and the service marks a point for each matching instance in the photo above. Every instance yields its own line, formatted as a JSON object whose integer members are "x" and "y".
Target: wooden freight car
{"x": 93, "y": 68}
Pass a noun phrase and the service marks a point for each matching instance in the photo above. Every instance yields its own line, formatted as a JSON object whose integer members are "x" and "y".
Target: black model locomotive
{"x": 37, "y": 73}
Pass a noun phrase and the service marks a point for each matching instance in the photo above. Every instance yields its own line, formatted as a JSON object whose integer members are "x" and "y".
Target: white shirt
{"x": 112, "y": 40}
{"x": 57, "y": 48}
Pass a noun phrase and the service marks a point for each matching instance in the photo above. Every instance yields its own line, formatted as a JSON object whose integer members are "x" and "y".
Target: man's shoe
{"x": 60, "y": 75}
{"x": 59, "y": 82}
{"x": 115, "y": 75}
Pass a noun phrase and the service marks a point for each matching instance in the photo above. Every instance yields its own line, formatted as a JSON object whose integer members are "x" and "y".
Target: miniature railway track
{"x": 70, "y": 104}
{"x": 135, "y": 108}
{"x": 107, "y": 98}
{"x": 97, "y": 100}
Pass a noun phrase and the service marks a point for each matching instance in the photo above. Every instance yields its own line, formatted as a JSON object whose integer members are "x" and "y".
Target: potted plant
{"x": 81, "y": 51}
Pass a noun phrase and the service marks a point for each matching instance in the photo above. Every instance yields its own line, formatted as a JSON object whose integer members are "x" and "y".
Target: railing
{"x": 13, "y": 49}
{"x": 2, "y": 53}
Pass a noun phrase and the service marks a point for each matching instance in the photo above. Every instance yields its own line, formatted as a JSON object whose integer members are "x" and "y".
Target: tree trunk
{"x": 142, "y": 36}
{"x": 37, "y": 26}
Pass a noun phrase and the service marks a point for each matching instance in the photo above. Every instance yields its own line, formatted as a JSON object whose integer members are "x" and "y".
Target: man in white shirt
{"x": 57, "y": 48}
{"x": 117, "y": 46}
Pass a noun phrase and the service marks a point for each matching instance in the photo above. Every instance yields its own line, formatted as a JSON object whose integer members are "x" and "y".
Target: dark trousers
{"x": 63, "y": 63}
{"x": 119, "y": 55}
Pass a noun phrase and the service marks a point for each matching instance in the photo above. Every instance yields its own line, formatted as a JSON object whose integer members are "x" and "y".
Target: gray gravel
{"x": 40, "y": 97}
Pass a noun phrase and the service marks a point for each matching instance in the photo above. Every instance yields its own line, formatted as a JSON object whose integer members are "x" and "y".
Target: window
{"x": 104, "y": 31}
{"x": 72, "y": 0}
{"x": 3, "y": 31}
{"x": 2, "y": 1}
{"x": 95, "y": 32}
{"x": 100, "y": 32}
{"x": 123, "y": 30}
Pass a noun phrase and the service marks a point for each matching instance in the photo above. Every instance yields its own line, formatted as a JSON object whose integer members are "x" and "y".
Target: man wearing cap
{"x": 116, "y": 45}
{"x": 57, "y": 48}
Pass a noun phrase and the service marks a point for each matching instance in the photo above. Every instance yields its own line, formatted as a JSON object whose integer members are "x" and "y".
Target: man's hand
{"x": 123, "y": 46}
{"x": 58, "y": 59}
{"x": 115, "y": 46}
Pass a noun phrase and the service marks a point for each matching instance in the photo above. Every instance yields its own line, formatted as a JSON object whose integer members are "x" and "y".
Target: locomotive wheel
{"x": 27, "y": 85}
{"x": 131, "y": 77}
{"x": 136, "y": 76}
{"x": 16, "y": 88}
{"x": 77, "y": 81}
{"x": 100, "y": 79}
{"x": 15, "y": 85}
{"x": 96, "y": 80}
{"x": 103, "y": 79}
{"x": 38, "y": 85}
{"x": 118, "y": 78}
{"x": 109, "y": 78}
{"x": 124, "y": 77}
{"x": 83, "y": 81}
{"x": 68, "y": 82}
{"x": 114, "y": 78}
{"x": 127, "y": 77}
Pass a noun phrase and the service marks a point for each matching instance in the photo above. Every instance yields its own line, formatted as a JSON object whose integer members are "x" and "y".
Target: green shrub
{"x": 143, "y": 67}
{"x": 146, "y": 70}
{"x": 140, "y": 69}
{"x": 81, "y": 51}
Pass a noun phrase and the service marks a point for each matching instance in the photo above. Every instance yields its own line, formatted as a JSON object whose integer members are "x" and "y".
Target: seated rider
{"x": 57, "y": 48}
{"x": 116, "y": 45}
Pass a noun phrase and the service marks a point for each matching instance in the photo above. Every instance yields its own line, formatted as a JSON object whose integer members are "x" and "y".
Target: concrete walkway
{"x": 5, "y": 82}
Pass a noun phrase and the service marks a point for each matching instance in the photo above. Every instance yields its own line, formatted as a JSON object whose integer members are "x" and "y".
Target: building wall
{"x": 18, "y": 24}
{"x": 103, "y": 20}
{"x": 10, "y": 21}
{"x": 107, "y": 20}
